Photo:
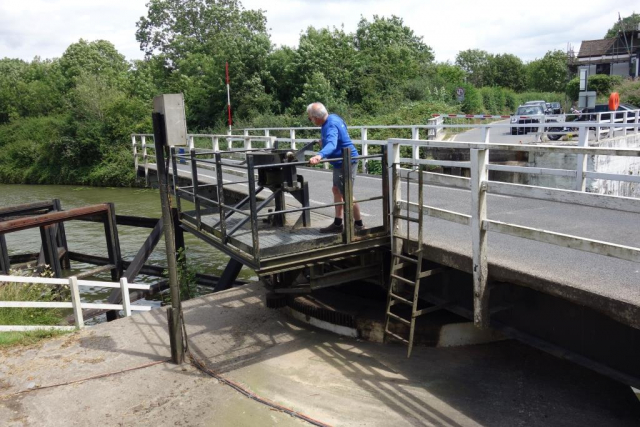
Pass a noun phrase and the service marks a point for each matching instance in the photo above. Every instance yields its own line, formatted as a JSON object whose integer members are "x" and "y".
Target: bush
{"x": 602, "y": 84}
{"x": 629, "y": 92}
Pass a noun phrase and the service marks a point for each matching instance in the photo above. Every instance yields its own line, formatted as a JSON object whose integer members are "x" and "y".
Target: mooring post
{"x": 115, "y": 257}
{"x": 174, "y": 314}
{"x": 61, "y": 238}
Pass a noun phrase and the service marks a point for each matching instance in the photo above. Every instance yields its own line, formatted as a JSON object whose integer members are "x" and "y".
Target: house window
{"x": 603, "y": 69}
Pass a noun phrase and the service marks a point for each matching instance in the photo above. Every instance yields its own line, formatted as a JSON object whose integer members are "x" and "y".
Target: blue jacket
{"x": 334, "y": 138}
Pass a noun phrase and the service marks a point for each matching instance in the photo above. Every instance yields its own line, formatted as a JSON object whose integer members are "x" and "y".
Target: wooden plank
{"x": 532, "y": 170}
{"x": 619, "y": 203}
{"x": 538, "y": 148}
{"x": 565, "y": 240}
{"x": 144, "y": 252}
{"x": 50, "y": 218}
{"x": 61, "y": 238}
{"x": 437, "y": 213}
{"x": 25, "y": 209}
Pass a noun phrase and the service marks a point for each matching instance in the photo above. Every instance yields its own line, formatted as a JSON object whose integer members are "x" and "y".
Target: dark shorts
{"x": 338, "y": 176}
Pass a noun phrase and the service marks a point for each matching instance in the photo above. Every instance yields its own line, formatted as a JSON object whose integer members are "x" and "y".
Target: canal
{"x": 88, "y": 238}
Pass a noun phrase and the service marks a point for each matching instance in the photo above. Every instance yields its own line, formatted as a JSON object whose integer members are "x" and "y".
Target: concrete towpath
{"x": 337, "y": 381}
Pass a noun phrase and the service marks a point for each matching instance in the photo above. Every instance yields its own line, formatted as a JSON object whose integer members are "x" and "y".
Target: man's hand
{"x": 315, "y": 159}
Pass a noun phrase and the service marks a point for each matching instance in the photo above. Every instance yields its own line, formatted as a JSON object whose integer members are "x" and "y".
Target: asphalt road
{"x": 571, "y": 273}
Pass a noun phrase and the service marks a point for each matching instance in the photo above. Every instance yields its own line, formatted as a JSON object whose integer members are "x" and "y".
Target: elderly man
{"x": 334, "y": 138}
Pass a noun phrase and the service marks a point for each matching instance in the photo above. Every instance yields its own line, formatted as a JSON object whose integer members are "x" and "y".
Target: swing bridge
{"x": 556, "y": 268}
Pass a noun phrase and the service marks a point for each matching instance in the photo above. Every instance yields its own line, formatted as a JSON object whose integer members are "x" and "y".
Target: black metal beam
{"x": 229, "y": 275}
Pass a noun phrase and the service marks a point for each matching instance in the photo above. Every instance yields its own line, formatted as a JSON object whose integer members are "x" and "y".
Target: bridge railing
{"x": 480, "y": 186}
{"x": 76, "y": 304}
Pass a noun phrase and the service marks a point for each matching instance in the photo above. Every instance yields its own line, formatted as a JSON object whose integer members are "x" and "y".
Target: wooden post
{"x": 135, "y": 153}
{"x": 174, "y": 313}
{"x": 61, "y": 237}
{"x": 479, "y": 178}
{"x": 76, "y": 301}
{"x": 5, "y": 264}
{"x": 126, "y": 302}
{"x": 581, "y": 160}
{"x": 415, "y": 149}
{"x": 115, "y": 258}
{"x": 48, "y": 236}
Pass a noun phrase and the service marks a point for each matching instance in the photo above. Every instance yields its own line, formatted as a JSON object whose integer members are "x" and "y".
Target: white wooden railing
{"x": 480, "y": 185}
{"x": 76, "y": 304}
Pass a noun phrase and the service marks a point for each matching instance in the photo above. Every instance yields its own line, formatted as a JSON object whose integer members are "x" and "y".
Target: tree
{"x": 476, "y": 63}
{"x": 99, "y": 58}
{"x": 508, "y": 71}
{"x": 388, "y": 54}
{"x": 628, "y": 23}
{"x": 195, "y": 38}
{"x": 548, "y": 74}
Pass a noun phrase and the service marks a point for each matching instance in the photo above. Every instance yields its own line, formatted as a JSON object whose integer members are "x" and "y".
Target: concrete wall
{"x": 616, "y": 164}
{"x": 604, "y": 164}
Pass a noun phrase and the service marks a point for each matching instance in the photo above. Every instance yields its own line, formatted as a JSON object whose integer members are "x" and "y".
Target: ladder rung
{"x": 431, "y": 272}
{"x": 398, "y": 337}
{"x": 398, "y": 318}
{"x": 406, "y": 258}
{"x": 399, "y": 298}
{"x": 398, "y": 266}
{"x": 407, "y": 281}
{"x": 407, "y": 218}
{"x": 430, "y": 309}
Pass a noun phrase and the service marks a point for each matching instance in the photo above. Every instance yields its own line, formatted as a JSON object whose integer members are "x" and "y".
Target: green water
{"x": 86, "y": 237}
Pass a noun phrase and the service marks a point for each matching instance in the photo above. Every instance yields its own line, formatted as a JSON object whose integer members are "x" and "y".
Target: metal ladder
{"x": 399, "y": 261}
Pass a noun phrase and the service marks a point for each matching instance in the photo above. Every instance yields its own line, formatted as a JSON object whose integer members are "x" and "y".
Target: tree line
{"x": 68, "y": 119}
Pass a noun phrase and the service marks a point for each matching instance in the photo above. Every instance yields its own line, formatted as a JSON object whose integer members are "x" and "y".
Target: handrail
{"x": 76, "y": 304}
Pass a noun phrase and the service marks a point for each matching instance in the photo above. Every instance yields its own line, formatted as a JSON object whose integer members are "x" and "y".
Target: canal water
{"x": 89, "y": 238}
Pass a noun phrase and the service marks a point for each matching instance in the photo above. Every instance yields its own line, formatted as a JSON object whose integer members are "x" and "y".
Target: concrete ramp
{"x": 336, "y": 380}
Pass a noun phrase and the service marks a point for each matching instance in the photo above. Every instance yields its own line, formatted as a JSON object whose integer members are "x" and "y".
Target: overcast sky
{"x": 527, "y": 29}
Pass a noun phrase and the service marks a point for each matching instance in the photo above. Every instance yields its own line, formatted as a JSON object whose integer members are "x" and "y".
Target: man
{"x": 334, "y": 138}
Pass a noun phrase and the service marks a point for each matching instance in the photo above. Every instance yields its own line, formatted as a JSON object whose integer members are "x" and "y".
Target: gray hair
{"x": 317, "y": 110}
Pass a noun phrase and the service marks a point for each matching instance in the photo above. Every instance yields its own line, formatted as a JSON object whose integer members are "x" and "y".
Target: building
{"x": 616, "y": 56}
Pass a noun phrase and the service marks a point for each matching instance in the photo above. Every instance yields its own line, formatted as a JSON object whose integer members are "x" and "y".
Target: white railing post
{"x": 581, "y": 160}
{"x": 266, "y": 132}
{"x": 479, "y": 178}
{"x": 145, "y": 158}
{"x": 637, "y": 117}
{"x": 77, "y": 303}
{"x": 486, "y": 134}
{"x": 215, "y": 143}
{"x": 612, "y": 129}
{"x": 292, "y": 136}
{"x": 597, "y": 127}
{"x": 415, "y": 149}
{"x": 247, "y": 143}
{"x": 126, "y": 302}
{"x": 365, "y": 149}
{"x": 271, "y": 142}
{"x": 245, "y": 132}
{"x": 624, "y": 124}
{"x": 135, "y": 153}
{"x": 191, "y": 143}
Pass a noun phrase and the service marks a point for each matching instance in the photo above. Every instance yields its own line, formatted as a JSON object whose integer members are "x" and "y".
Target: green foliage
{"x": 548, "y": 74}
{"x": 36, "y": 293}
{"x": 628, "y": 23}
{"x": 508, "y": 71}
{"x": 9, "y": 339}
{"x": 602, "y": 84}
{"x": 186, "y": 279}
{"x": 629, "y": 92}
{"x": 477, "y": 64}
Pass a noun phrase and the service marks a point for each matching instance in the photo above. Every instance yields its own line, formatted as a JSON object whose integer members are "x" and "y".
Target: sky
{"x": 45, "y": 28}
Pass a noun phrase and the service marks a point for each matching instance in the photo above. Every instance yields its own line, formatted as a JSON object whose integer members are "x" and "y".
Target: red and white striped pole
{"x": 228, "y": 95}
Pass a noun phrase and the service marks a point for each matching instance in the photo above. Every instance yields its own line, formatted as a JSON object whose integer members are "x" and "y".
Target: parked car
{"x": 526, "y": 114}
{"x": 542, "y": 104}
{"x": 590, "y": 114}
{"x": 556, "y": 108}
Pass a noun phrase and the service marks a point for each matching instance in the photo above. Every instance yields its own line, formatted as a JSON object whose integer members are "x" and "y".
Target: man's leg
{"x": 337, "y": 198}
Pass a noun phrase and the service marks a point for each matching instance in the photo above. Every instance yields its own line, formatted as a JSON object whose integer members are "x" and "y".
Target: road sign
{"x": 460, "y": 94}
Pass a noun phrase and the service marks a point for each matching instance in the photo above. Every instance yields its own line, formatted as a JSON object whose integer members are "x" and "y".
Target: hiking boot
{"x": 333, "y": 228}
{"x": 359, "y": 227}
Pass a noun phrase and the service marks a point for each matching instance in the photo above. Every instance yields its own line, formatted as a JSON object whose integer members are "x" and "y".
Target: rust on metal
{"x": 51, "y": 218}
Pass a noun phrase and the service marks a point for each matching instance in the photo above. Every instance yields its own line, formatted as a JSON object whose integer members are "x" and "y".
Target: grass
{"x": 30, "y": 316}
{"x": 11, "y": 339}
